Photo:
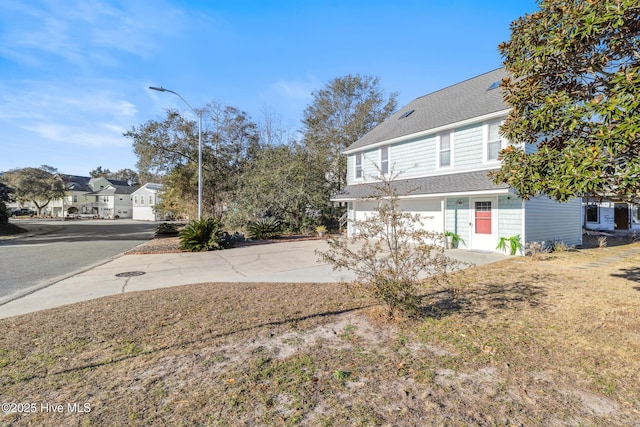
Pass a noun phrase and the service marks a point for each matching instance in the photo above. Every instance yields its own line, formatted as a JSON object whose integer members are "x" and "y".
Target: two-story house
{"x": 145, "y": 201}
{"x": 437, "y": 152}
{"x": 98, "y": 196}
{"x": 114, "y": 201}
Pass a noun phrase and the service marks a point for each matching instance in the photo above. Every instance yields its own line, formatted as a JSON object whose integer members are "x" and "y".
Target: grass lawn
{"x": 554, "y": 342}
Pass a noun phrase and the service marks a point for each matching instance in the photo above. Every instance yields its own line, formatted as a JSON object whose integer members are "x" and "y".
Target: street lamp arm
{"x": 161, "y": 89}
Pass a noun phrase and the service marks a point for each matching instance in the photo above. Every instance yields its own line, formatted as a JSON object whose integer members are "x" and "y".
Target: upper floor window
{"x": 358, "y": 166}
{"x": 444, "y": 150}
{"x": 384, "y": 160}
{"x": 494, "y": 140}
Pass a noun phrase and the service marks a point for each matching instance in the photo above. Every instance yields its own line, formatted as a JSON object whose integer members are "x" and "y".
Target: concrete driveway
{"x": 275, "y": 262}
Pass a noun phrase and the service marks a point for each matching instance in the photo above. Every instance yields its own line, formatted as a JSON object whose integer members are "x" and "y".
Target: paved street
{"x": 31, "y": 262}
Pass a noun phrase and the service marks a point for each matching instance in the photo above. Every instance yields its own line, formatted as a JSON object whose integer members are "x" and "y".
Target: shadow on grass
{"x": 185, "y": 343}
{"x": 481, "y": 299}
{"x": 632, "y": 274}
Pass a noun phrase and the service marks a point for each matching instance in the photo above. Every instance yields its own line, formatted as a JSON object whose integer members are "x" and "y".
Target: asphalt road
{"x": 30, "y": 263}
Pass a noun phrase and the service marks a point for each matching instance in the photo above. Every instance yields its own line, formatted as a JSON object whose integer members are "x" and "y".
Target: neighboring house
{"x": 76, "y": 199}
{"x": 145, "y": 200}
{"x": 114, "y": 201}
{"x": 605, "y": 215}
{"x": 99, "y": 197}
{"x": 437, "y": 151}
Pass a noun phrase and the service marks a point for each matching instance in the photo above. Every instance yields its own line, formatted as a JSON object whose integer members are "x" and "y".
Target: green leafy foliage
{"x": 201, "y": 235}
{"x": 264, "y": 228}
{"x": 169, "y": 148}
{"x": 285, "y": 181}
{"x": 513, "y": 242}
{"x": 341, "y": 113}
{"x": 36, "y": 185}
{"x": 5, "y": 192}
{"x": 574, "y": 90}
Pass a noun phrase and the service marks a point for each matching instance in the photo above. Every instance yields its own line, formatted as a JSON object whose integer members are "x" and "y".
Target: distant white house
{"x": 114, "y": 201}
{"x": 145, "y": 199}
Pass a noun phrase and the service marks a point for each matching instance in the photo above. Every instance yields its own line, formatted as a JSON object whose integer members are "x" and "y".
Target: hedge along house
{"x": 436, "y": 152}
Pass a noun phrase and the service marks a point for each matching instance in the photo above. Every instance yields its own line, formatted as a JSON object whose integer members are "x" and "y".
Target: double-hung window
{"x": 444, "y": 150}
{"x": 384, "y": 160}
{"x": 359, "y": 166}
{"x": 494, "y": 140}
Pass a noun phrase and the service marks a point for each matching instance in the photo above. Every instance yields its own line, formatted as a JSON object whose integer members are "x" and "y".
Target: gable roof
{"x": 463, "y": 182}
{"x": 115, "y": 189}
{"x": 462, "y": 101}
{"x": 76, "y": 182}
{"x": 149, "y": 187}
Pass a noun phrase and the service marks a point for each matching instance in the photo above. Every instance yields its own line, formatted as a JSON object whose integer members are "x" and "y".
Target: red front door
{"x": 483, "y": 217}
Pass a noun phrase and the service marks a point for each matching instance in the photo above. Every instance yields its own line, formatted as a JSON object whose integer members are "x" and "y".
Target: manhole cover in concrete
{"x": 130, "y": 274}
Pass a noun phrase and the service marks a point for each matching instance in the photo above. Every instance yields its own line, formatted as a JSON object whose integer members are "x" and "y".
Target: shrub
{"x": 201, "y": 235}
{"x": 166, "y": 229}
{"x": 265, "y": 228}
{"x": 536, "y": 250}
{"x": 393, "y": 256}
{"x": 230, "y": 240}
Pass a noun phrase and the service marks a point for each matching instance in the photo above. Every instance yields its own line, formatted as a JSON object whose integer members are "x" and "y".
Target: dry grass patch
{"x": 514, "y": 343}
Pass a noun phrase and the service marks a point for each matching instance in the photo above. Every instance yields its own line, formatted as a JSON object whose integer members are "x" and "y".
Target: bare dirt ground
{"x": 554, "y": 342}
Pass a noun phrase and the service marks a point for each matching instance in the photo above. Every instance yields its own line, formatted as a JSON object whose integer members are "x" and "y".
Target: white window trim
{"x": 485, "y": 142}
{"x": 355, "y": 167}
{"x": 388, "y": 160}
{"x": 451, "y": 142}
{"x": 586, "y": 214}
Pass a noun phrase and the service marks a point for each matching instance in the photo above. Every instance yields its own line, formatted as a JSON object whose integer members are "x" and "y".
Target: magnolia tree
{"x": 393, "y": 256}
{"x": 574, "y": 89}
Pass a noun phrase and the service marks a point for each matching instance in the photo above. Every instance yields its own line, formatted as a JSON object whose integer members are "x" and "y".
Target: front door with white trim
{"x": 483, "y": 229}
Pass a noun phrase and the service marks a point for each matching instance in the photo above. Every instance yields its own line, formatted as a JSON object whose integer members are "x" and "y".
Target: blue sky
{"x": 74, "y": 74}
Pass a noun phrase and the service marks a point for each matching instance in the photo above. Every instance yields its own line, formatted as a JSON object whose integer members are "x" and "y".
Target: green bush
{"x": 265, "y": 228}
{"x": 166, "y": 229}
{"x": 201, "y": 235}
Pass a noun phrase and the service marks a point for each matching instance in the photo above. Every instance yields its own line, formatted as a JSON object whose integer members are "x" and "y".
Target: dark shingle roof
{"x": 116, "y": 189}
{"x": 464, "y": 182}
{"x": 76, "y": 182}
{"x": 453, "y": 104}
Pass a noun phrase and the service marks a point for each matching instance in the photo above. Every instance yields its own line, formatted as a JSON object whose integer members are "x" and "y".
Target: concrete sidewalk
{"x": 277, "y": 262}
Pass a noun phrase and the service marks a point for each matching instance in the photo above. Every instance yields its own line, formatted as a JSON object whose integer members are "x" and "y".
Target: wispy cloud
{"x": 84, "y": 32}
{"x": 294, "y": 89}
{"x": 68, "y": 114}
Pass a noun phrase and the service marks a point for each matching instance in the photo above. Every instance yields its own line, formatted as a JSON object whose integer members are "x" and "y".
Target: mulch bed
{"x": 168, "y": 245}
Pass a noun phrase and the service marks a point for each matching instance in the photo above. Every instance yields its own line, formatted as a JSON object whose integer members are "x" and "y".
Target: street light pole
{"x": 199, "y": 114}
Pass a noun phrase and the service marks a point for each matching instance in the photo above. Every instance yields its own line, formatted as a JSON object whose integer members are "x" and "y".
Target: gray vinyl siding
{"x": 413, "y": 158}
{"x": 547, "y": 220}
{"x": 457, "y": 219}
{"x": 467, "y": 150}
{"x": 417, "y": 157}
{"x": 509, "y": 216}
